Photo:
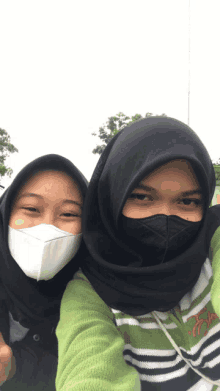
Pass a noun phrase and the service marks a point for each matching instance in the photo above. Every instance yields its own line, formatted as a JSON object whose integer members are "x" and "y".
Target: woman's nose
{"x": 48, "y": 218}
{"x": 165, "y": 209}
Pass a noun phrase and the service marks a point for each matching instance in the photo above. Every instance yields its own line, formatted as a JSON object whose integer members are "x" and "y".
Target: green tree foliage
{"x": 217, "y": 163}
{"x": 216, "y": 166}
{"x": 113, "y": 126}
{"x": 5, "y": 148}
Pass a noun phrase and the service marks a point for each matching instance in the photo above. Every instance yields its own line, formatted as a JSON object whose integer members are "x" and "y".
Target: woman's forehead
{"x": 44, "y": 179}
{"x": 177, "y": 164}
{"x": 177, "y": 168}
{"x": 48, "y": 175}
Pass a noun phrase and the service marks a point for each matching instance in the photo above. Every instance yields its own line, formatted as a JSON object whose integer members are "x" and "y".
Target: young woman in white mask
{"x": 143, "y": 296}
{"x": 40, "y": 250}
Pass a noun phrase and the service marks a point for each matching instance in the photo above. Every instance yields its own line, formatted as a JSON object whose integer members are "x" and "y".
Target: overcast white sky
{"x": 66, "y": 66}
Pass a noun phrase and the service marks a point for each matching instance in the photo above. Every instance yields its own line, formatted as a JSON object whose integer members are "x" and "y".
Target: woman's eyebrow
{"x": 72, "y": 202}
{"x": 183, "y": 193}
{"x": 30, "y": 195}
{"x": 39, "y": 196}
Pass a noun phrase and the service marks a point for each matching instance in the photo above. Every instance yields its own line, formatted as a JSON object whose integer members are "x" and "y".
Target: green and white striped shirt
{"x": 155, "y": 345}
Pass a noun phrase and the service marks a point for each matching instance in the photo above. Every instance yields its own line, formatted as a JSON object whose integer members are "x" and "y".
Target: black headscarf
{"x": 113, "y": 269}
{"x": 34, "y": 300}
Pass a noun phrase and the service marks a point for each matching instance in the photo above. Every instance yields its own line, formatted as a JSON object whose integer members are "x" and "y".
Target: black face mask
{"x": 158, "y": 238}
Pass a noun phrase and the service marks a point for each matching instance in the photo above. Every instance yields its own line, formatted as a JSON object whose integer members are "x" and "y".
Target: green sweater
{"x": 101, "y": 348}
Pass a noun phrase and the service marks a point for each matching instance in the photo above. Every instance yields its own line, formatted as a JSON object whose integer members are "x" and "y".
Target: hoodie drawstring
{"x": 217, "y": 382}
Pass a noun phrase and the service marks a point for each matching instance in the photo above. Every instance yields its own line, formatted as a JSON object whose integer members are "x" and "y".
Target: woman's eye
{"x": 71, "y": 214}
{"x": 140, "y": 197}
{"x": 31, "y": 209}
{"x": 187, "y": 202}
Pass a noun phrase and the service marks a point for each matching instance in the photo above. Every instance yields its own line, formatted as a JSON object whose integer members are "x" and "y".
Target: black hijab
{"x": 114, "y": 269}
{"x": 32, "y": 301}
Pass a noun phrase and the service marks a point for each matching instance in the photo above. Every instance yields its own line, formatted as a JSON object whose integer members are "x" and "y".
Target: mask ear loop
{"x": 167, "y": 239}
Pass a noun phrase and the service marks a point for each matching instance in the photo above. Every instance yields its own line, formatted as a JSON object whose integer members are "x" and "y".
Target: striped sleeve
{"x": 90, "y": 347}
{"x": 215, "y": 290}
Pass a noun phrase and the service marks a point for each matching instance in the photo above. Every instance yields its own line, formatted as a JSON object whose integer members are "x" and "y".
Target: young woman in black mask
{"x": 40, "y": 250}
{"x": 151, "y": 237}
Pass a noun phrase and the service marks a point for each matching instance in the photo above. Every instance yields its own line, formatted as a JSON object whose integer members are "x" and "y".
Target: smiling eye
{"x": 31, "y": 209}
{"x": 71, "y": 214}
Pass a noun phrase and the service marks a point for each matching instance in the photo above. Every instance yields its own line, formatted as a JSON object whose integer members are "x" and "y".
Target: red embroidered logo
{"x": 199, "y": 322}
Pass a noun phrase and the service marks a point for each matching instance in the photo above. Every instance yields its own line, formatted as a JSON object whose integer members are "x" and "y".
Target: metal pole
{"x": 189, "y": 66}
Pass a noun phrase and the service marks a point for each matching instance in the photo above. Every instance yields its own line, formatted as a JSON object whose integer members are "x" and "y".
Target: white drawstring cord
{"x": 216, "y": 383}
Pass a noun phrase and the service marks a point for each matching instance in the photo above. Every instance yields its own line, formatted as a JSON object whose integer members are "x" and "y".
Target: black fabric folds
{"x": 34, "y": 300}
{"x": 115, "y": 271}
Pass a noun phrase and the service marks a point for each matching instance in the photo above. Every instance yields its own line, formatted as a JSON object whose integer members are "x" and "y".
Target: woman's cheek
{"x": 73, "y": 228}
{"x": 19, "y": 222}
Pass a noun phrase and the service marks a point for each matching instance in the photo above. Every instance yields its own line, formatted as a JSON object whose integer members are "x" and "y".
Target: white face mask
{"x": 42, "y": 251}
